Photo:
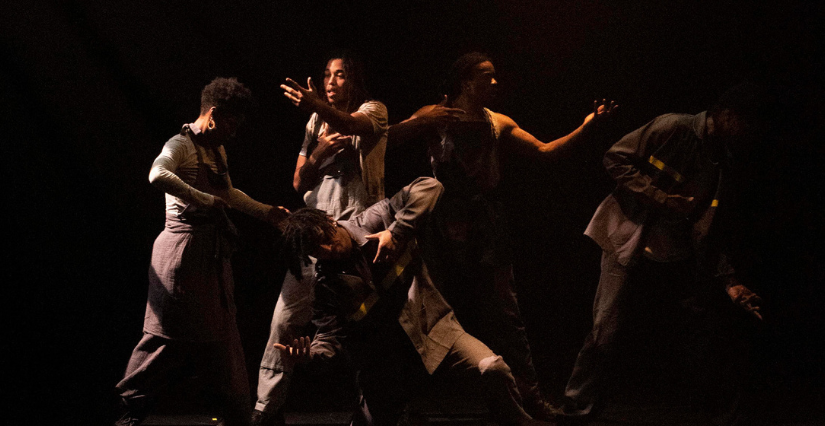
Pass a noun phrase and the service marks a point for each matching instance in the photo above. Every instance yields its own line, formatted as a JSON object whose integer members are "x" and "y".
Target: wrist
{"x": 315, "y": 158}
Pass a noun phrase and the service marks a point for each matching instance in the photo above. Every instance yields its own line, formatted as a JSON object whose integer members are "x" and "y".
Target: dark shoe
{"x": 260, "y": 418}
{"x": 540, "y": 410}
{"x": 571, "y": 411}
{"x": 127, "y": 420}
{"x": 535, "y": 422}
{"x": 131, "y": 412}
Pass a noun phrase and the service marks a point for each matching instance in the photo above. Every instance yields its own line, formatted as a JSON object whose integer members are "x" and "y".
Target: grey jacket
{"x": 660, "y": 158}
{"x": 357, "y": 301}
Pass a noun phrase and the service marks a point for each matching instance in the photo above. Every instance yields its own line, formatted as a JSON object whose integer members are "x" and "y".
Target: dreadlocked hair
{"x": 303, "y": 232}
{"x": 357, "y": 92}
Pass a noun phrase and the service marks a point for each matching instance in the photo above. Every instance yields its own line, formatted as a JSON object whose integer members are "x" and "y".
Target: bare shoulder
{"x": 503, "y": 122}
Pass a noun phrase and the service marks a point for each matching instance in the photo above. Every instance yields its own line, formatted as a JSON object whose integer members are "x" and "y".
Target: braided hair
{"x": 303, "y": 232}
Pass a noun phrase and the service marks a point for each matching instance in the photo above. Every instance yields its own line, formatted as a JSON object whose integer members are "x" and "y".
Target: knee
{"x": 494, "y": 367}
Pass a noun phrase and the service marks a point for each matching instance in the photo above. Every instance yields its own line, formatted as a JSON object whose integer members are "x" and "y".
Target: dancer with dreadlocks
{"x": 374, "y": 300}
{"x": 340, "y": 170}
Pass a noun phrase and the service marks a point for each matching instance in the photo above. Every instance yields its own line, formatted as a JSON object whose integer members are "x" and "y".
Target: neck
{"x": 202, "y": 125}
{"x": 340, "y": 106}
{"x": 473, "y": 108}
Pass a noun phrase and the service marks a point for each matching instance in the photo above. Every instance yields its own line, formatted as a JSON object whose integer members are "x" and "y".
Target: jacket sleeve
{"x": 627, "y": 159}
{"x": 405, "y": 212}
{"x": 413, "y": 205}
{"x": 329, "y": 334}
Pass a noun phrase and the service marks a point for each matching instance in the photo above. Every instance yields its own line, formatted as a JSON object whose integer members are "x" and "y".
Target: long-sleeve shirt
{"x": 174, "y": 172}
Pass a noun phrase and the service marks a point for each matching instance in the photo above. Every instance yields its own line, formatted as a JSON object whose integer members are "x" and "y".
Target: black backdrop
{"x": 92, "y": 89}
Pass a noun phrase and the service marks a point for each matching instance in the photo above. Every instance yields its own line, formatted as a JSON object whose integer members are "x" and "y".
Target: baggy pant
{"x": 392, "y": 374}
{"x": 157, "y": 362}
{"x": 706, "y": 338}
{"x": 292, "y": 314}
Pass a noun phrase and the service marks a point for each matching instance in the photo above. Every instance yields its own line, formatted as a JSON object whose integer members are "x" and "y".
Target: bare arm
{"x": 427, "y": 120}
{"x": 523, "y": 141}
{"x": 307, "y": 167}
{"x": 308, "y": 99}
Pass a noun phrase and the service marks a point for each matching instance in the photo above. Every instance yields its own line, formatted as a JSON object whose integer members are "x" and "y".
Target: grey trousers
{"x": 392, "y": 373}
{"x": 690, "y": 306}
{"x": 590, "y": 368}
{"x": 156, "y": 362}
{"x": 292, "y": 314}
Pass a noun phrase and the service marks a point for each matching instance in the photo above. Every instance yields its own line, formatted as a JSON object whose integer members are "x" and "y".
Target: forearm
{"x": 530, "y": 146}
{"x": 329, "y": 331}
{"x": 238, "y": 200}
{"x": 629, "y": 158}
{"x": 629, "y": 177}
{"x": 342, "y": 122}
{"x": 307, "y": 174}
{"x": 407, "y": 130}
{"x": 551, "y": 150}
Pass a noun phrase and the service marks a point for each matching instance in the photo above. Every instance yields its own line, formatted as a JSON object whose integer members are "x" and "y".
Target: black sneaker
{"x": 260, "y": 418}
{"x": 127, "y": 420}
{"x": 541, "y": 410}
{"x": 572, "y": 411}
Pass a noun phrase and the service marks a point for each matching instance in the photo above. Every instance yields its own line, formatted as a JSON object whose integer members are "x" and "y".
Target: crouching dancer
{"x": 375, "y": 300}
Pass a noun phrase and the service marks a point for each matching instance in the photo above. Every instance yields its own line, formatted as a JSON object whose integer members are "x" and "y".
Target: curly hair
{"x": 357, "y": 92}
{"x": 461, "y": 71}
{"x": 226, "y": 94}
{"x": 303, "y": 232}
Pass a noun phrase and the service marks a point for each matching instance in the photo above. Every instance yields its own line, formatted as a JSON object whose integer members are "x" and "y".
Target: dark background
{"x": 92, "y": 89}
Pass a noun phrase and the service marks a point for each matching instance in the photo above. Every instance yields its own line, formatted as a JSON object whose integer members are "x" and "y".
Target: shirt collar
{"x": 194, "y": 129}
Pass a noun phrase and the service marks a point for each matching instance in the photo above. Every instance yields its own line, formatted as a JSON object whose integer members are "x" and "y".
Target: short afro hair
{"x": 227, "y": 95}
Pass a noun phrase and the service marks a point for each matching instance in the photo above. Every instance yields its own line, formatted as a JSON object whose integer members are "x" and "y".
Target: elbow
{"x": 154, "y": 176}
{"x": 429, "y": 184}
{"x": 346, "y": 129}
{"x": 299, "y": 184}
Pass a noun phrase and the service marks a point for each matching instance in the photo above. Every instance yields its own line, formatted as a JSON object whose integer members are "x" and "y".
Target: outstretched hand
{"x": 388, "y": 247}
{"x": 601, "y": 111}
{"x": 746, "y": 299}
{"x": 440, "y": 115}
{"x": 305, "y": 98}
{"x": 296, "y": 353}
